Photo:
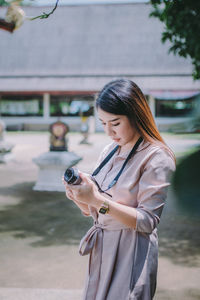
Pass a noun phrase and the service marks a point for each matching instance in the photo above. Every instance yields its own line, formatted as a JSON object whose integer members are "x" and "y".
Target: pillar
{"x": 46, "y": 106}
{"x": 152, "y": 105}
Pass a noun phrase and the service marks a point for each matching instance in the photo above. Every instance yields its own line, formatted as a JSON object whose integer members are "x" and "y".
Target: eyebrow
{"x": 111, "y": 120}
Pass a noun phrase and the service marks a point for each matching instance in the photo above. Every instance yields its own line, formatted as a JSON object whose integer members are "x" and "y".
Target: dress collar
{"x": 144, "y": 144}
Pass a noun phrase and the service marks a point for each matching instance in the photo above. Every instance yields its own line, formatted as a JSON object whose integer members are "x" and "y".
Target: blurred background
{"x": 55, "y": 56}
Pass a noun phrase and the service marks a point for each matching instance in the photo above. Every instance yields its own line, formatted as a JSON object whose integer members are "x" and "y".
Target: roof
{"x": 81, "y": 2}
{"x": 84, "y": 47}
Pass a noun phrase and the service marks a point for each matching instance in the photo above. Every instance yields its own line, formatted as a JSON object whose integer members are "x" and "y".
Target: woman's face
{"x": 118, "y": 127}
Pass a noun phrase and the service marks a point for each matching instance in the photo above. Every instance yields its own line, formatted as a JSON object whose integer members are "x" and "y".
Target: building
{"x": 53, "y": 68}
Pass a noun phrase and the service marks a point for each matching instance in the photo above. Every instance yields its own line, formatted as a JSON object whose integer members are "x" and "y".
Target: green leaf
{"x": 182, "y": 28}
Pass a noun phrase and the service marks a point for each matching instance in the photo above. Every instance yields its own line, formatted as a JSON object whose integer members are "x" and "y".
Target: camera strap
{"x": 109, "y": 156}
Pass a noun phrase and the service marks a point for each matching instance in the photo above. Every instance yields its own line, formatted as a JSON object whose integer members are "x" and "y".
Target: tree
{"x": 3, "y": 2}
{"x": 15, "y": 16}
{"x": 182, "y": 28}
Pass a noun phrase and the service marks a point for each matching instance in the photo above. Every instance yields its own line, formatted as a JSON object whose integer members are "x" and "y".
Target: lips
{"x": 116, "y": 140}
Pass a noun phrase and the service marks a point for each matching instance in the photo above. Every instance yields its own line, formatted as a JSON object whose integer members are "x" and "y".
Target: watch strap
{"x": 104, "y": 209}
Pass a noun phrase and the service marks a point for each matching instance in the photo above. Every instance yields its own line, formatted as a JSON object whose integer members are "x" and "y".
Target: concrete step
{"x": 39, "y": 294}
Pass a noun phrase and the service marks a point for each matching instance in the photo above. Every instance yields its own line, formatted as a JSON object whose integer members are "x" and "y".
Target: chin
{"x": 120, "y": 144}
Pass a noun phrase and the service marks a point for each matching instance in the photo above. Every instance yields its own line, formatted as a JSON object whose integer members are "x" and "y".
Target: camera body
{"x": 71, "y": 176}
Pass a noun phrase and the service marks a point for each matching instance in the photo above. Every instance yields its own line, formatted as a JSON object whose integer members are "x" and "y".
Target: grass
{"x": 179, "y": 228}
{"x": 186, "y": 183}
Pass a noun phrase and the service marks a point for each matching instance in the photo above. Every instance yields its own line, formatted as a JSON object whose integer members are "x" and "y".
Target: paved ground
{"x": 39, "y": 294}
{"x": 40, "y": 231}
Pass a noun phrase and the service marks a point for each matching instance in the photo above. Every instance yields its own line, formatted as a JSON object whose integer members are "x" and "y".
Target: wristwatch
{"x": 104, "y": 209}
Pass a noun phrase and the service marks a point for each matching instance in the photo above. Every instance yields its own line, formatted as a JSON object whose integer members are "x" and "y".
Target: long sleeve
{"x": 102, "y": 155}
{"x": 152, "y": 191}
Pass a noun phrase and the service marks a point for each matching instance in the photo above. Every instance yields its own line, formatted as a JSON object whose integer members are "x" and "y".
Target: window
{"x": 21, "y": 105}
{"x": 71, "y": 106}
{"x": 174, "y": 108}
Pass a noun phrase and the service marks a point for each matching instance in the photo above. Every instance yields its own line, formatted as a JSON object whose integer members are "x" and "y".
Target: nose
{"x": 109, "y": 130}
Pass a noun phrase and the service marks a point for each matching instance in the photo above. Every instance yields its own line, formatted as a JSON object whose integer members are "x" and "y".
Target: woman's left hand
{"x": 86, "y": 191}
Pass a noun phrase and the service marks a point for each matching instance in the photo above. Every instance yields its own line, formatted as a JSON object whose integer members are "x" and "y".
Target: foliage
{"x": 42, "y": 16}
{"x": 186, "y": 183}
{"x": 45, "y": 15}
{"x": 182, "y": 28}
{"x": 3, "y": 3}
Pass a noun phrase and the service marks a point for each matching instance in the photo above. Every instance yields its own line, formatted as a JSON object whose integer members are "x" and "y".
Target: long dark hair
{"x": 124, "y": 97}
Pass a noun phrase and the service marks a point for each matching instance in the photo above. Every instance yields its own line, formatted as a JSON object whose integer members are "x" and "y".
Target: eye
{"x": 115, "y": 124}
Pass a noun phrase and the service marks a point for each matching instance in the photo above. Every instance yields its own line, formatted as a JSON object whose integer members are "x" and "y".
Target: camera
{"x": 71, "y": 176}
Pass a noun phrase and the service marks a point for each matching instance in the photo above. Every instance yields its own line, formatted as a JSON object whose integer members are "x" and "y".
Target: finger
{"x": 69, "y": 195}
{"x": 64, "y": 182}
{"x": 86, "y": 178}
{"x": 73, "y": 187}
{"x": 67, "y": 185}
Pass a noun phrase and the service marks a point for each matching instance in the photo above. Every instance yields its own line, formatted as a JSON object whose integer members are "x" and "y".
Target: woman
{"x": 125, "y": 196}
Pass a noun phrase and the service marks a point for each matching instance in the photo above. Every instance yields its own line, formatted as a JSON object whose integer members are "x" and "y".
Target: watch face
{"x": 103, "y": 210}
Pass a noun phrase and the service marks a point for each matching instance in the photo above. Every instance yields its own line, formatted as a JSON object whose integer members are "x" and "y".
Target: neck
{"x": 128, "y": 147}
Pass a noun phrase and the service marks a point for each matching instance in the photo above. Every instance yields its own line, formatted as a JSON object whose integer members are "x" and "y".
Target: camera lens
{"x": 71, "y": 176}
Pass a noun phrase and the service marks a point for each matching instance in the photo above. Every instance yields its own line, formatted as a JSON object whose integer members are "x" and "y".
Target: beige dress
{"x": 123, "y": 261}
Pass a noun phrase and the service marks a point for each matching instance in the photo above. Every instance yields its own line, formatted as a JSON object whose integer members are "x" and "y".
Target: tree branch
{"x": 45, "y": 15}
